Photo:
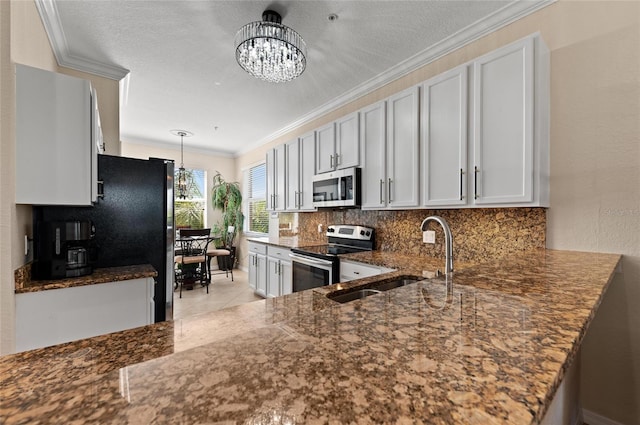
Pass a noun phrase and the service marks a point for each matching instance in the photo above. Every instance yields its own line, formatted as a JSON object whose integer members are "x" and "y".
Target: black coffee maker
{"x": 63, "y": 249}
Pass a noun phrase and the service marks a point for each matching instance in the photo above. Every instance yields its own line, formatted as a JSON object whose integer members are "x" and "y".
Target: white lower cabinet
{"x": 352, "y": 270}
{"x": 279, "y": 272}
{"x": 258, "y": 268}
{"x": 57, "y": 316}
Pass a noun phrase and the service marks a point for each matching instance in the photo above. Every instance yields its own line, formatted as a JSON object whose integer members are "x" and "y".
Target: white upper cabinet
{"x": 402, "y": 185}
{"x": 55, "y": 147}
{"x": 347, "y": 146}
{"x": 337, "y": 145}
{"x": 276, "y": 183}
{"x": 444, "y": 139}
{"x": 307, "y": 170}
{"x": 325, "y": 148}
{"x": 373, "y": 141}
{"x": 292, "y": 171}
{"x": 389, "y": 141}
{"x": 510, "y": 133}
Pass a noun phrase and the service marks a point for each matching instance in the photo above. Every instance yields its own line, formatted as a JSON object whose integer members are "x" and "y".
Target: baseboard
{"x": 591, "y": 418}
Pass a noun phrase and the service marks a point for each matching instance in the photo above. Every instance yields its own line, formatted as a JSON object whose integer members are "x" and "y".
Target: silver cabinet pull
{"x": 338, "y": 161}
{"x": 300, "y": 199}
{"x": 330, "y": 161}
{"x": 389, "y": 195}
{"x": 381, "y": 189}
{"x": 461, "y": 173}
{"x": 475, "y": 182}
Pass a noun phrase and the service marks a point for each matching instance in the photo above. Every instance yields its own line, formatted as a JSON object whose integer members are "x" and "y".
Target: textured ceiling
{"x": 183, "y": 73}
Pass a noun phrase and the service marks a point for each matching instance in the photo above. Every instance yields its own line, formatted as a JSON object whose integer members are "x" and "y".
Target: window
{"x": 190, "y": 212}
{"x": 255, "y": 194}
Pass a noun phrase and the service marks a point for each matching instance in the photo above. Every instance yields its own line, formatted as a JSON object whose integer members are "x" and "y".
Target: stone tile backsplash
{"x": 478, "y": 234}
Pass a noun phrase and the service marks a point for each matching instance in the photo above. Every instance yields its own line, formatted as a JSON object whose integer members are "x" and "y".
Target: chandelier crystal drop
{"x": 269, "y": 50}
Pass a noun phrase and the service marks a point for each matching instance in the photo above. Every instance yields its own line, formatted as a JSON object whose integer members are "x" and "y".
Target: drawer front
{"x": 258, "y": 248}
{"x": 278, "y": 252}
{"x": 350, "y": 270}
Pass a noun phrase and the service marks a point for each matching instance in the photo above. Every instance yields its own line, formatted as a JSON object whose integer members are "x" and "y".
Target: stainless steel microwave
{"x": 340, "y": 188}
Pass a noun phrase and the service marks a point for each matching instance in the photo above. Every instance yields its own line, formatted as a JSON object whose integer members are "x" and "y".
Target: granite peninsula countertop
{"x": 491, "y": 345}
{"x": 101, "y": 275}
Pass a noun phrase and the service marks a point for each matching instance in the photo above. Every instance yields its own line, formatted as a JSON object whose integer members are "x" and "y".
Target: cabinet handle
{"x": 461, "y": 174}
{"x": 338, "y": 162}
{"x": 100, "y": 193}
{"x": 381, "y": 189}
{"x": 330, "y": 161}
{"x": 389, "y": 196}
{"x": 475, "y": 182}
{"x": 300, "y": 199}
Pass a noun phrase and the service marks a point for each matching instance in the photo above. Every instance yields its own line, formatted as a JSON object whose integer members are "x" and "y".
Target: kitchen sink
{"x": 374, "y": 288}
{"x": 355, "y": 295}
{"x": 396, "y": 283}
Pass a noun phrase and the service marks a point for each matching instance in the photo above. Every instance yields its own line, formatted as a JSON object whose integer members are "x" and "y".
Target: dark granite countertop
{"x": 103, "y": 275}
{"x": 489, "y": 345}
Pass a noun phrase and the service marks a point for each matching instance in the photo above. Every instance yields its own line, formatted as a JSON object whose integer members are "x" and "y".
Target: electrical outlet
{"x": 429, "y": 236}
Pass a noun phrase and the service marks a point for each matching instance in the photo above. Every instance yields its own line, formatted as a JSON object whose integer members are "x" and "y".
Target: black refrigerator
{"x": 134, "y": 220}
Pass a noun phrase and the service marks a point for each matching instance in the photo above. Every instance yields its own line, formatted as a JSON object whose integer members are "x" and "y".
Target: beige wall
{"x": 595, "y": 170}
{"x": 192, "y": 159}
{"x": 24, "y": 41}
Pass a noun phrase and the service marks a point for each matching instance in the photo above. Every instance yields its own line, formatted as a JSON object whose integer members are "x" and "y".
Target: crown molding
{"x": 53, "y": 27}
{"x": 175, "y": 146}
{"x": 500, "y": 18}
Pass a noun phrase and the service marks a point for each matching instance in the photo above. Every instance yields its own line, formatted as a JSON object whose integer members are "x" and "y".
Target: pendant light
{"x": 181, "y": 185}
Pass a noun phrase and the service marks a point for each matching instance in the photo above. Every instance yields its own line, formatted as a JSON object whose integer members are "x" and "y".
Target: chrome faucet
{"x": 448, "y": 240}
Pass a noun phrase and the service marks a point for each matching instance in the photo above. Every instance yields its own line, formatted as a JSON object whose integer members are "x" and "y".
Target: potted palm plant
{"x": 227, "y": 197}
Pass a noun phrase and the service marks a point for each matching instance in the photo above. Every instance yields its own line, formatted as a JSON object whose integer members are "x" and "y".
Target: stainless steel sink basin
{"x": 374, "y": 288}
{"x": 355, "y": 295}
{"x": 385, "y": 286}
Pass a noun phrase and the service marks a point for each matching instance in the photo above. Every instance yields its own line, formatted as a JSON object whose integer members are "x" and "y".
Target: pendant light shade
{"x": 181, "y": 183}
{"x": 269, "y": 50}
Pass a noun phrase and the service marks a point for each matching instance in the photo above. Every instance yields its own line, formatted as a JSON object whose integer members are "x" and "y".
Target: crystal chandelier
{"x": 269, "y": 50}
{"x": 181, "y": 185}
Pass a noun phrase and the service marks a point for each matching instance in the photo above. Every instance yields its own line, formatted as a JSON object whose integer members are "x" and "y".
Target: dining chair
{"x": 191, "y": 258}
{"x": 225, "y": 253}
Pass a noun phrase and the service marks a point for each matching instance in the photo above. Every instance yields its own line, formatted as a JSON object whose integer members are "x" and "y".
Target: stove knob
{"x": 331, "y": 230}
{"x": 368, "y": 233}
{"x": 362, "y": 232}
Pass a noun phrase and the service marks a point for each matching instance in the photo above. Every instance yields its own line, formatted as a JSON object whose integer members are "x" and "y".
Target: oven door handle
{"x": 309, "y": 261}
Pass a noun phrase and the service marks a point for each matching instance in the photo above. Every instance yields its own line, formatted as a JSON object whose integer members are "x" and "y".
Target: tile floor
{"x": 223, "y": 293}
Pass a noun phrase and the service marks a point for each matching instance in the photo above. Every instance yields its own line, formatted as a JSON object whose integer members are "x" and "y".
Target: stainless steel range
{"x": 315, "y": 266}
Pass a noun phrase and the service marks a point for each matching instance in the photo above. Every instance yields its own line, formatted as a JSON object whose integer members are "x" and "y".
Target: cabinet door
{"x": 292, "y": 173}
{"x": 347, "y": 143}
{"x": 503, "y": 120}
{"x": 280, "y": 183}
{"x": 325, "y": 148}
{"x": 253, "y": 271}
{"x": 261, "y": 275}
{"x": 444, "y": 139}
{"x": 53, "y": 138}
{"x": 373, "y": 143}
{"x": 307, "y": 170}
{"x": 271, "y": 179}
{"x": 402, "y": 149}
{"x": 286, "y": 282}
{"x": 273, "y": 277}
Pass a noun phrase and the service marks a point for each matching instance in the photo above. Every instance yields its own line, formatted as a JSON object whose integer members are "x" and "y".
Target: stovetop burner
{"x": 328, "y": 250}
{"x": 343, "y": 239}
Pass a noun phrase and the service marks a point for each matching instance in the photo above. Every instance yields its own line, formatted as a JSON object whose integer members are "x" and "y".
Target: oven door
{"x": 312, "y": 272}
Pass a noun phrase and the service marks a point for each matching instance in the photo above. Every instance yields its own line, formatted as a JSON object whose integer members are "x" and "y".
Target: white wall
{"x": 198, "y": 159}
